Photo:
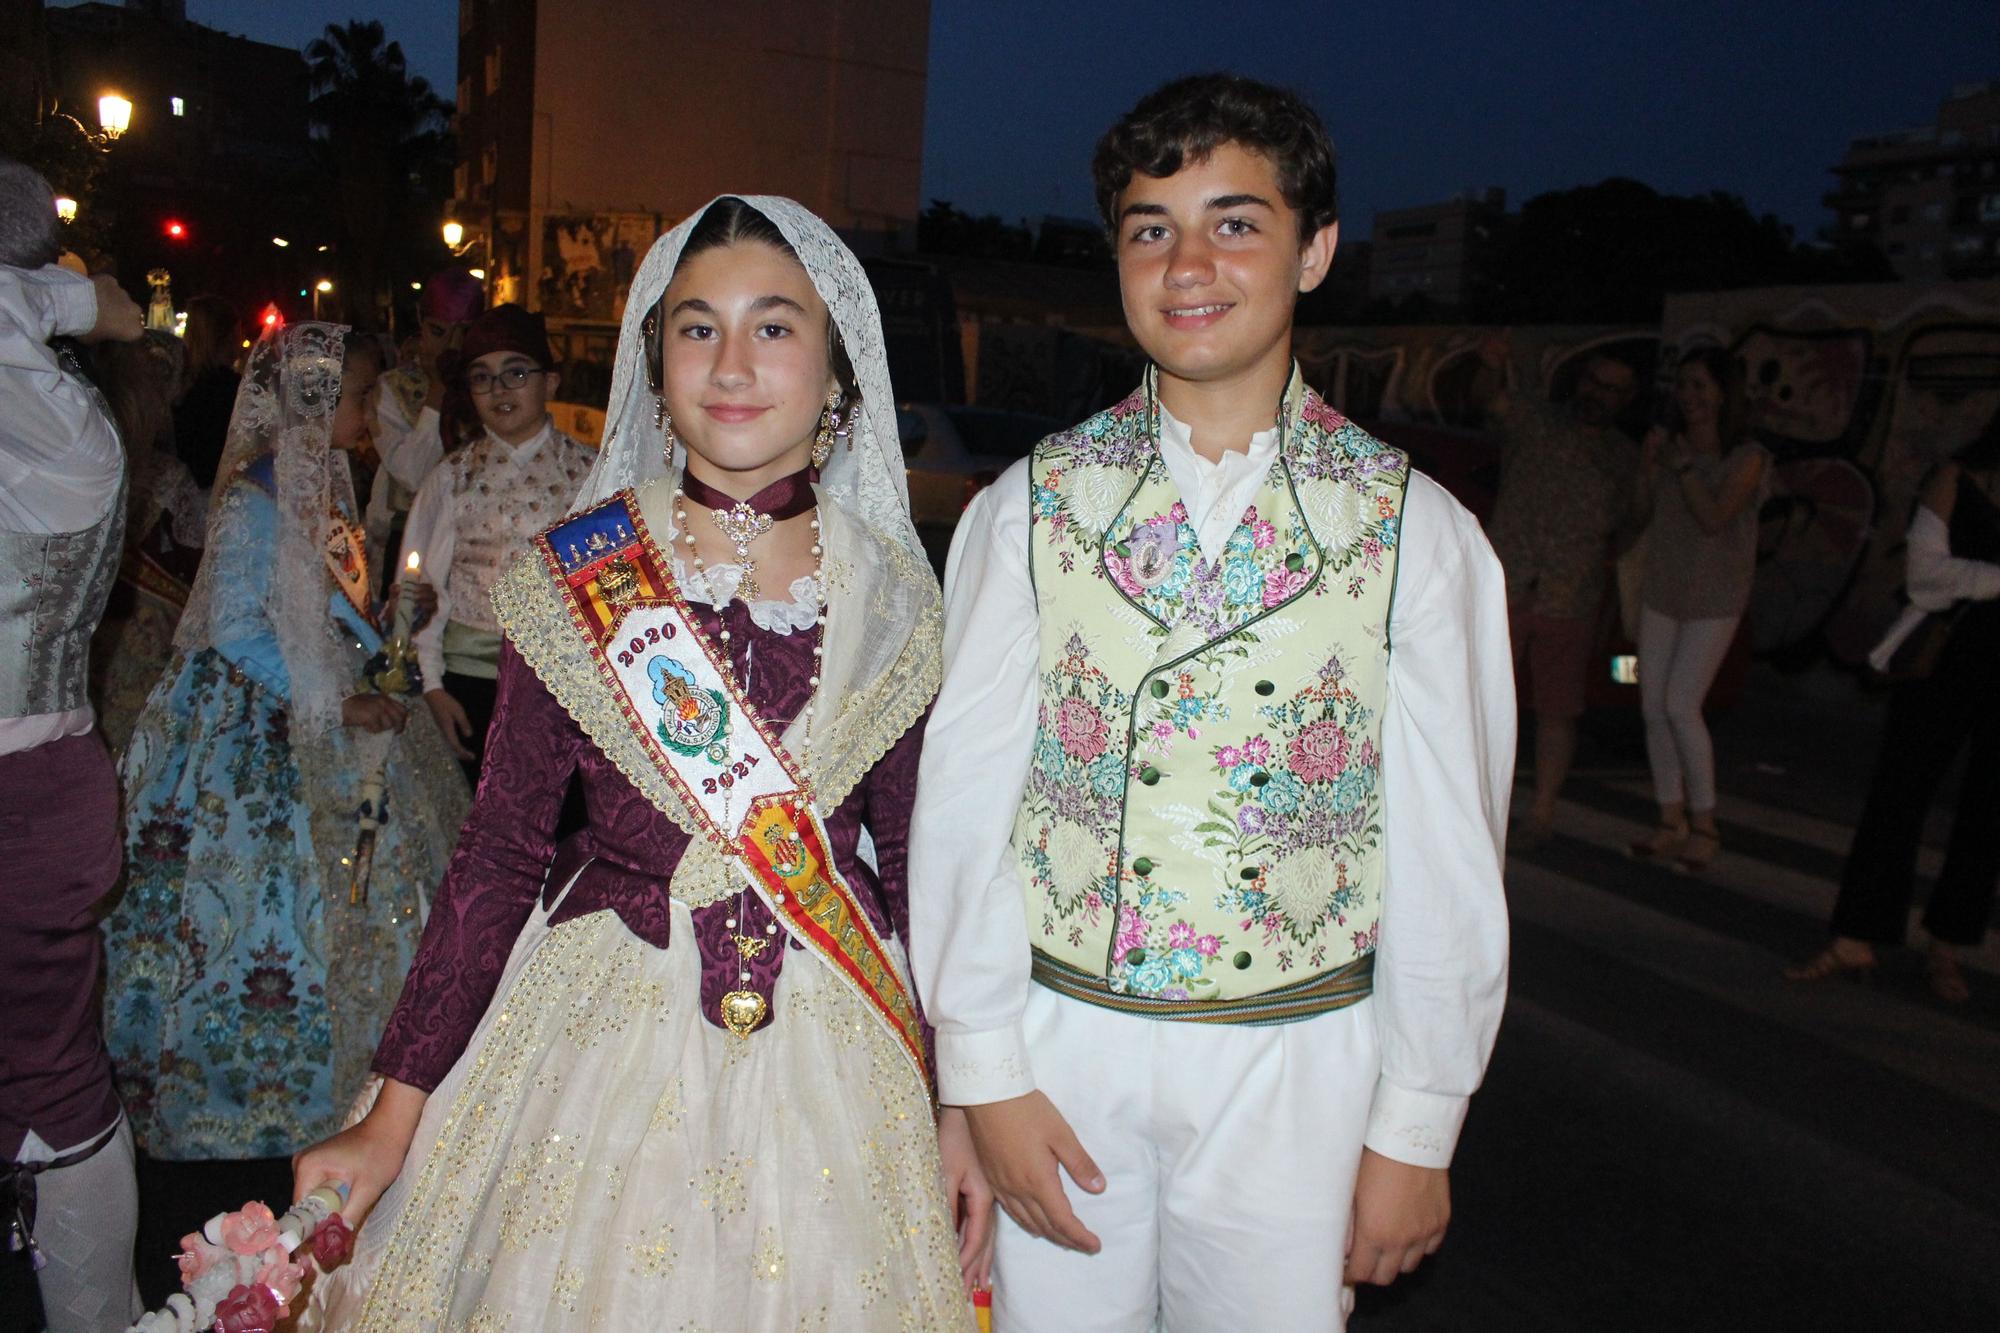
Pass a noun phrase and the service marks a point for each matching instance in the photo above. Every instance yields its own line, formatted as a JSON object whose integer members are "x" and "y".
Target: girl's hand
{"x": 972, "y": 1198}
{"x": 366, "y": 1156}
{"x": 373, "y": 712}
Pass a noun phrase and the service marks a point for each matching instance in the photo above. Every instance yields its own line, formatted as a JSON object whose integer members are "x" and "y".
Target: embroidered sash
{"x": 735, "y": 781}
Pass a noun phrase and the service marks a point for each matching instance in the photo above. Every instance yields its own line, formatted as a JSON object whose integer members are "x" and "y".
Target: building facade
{"x": 1929, "y": 197}
{"x": 1430, "y": 251}
{"x": 586, "y": 128}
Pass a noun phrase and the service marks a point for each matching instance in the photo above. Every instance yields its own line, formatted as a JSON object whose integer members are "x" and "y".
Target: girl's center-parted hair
{"x": 1190, "y": 118}
{"x": 727, "y": 221}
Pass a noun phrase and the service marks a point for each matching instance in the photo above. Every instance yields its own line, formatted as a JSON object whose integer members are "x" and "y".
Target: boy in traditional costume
{"x": 479, "y": 508}
{"x": 692, "y": 1089}
{"x": 66, "y": 1177}
{"x": 1210, "y": 818}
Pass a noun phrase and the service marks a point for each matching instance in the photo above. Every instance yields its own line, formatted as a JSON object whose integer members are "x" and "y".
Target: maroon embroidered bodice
{"x": 628, "y": 852}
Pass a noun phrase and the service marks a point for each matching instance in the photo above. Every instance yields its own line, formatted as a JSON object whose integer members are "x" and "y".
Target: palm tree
{"x": 389, "y": 150}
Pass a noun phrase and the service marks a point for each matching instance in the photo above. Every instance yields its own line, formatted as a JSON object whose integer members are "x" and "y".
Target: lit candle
{"x": 405, "y": 594}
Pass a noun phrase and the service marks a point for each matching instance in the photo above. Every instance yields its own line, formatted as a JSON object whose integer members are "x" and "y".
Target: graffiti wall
{"x": 1859, "y": 391}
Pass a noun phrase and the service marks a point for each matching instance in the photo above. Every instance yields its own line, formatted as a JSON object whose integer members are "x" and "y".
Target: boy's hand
{"x": 1021, "y": 1141}
{"x": 451, "y": 720}
{"x": 118, "y": 316}
{"x": 1400, "y": 1212}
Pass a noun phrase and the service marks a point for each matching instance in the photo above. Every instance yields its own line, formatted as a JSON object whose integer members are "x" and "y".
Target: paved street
{"x": 1671, "y": 1136}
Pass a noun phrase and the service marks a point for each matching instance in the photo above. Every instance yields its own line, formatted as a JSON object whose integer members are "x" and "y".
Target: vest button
{"x": 1295, "y": 562}
{"x": 1265, "y": 687}
{"x": 1249, "y": 872}
{"x": 1242, "y": 959}
{"x": 1259, "y": 778}
{"x": 1136, "y": 957}
{"x": 1159, "y": 689}
{"x": 1149, "y": 775}
{"x": 1143, "y": 866}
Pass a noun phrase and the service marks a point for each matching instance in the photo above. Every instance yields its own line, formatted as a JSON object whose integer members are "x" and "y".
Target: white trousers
{"x": 1678, "y": 660}
{"x": 1229, "y": 1156}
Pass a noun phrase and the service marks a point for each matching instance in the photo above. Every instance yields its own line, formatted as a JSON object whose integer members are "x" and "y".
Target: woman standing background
{"x": 1954, "y": 573}
{"x": 1703, "y": 475}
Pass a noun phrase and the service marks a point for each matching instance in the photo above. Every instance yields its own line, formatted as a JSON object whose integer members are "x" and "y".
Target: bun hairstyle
{"x": 727, "y": 221}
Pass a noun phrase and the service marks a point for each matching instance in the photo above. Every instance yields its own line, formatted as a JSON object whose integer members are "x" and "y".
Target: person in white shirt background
{"x": 479, "y": 508}
{"x": 408, "y": 443}
{"x": 1274, "y": 1079}
{"x": 69, "y": 1183}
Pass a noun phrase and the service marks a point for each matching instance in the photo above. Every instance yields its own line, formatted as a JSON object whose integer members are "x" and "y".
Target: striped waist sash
{"x": 1288, "y": 1004}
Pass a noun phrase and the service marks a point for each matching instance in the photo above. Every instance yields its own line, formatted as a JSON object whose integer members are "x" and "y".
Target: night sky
{"x": 1425, "y": 98}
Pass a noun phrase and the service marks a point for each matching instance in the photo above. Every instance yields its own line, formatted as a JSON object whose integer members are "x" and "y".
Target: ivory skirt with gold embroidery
{"x": 602, "y": 1157}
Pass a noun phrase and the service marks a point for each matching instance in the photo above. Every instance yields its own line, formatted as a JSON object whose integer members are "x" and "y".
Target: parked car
{"x": 953, "y": 452}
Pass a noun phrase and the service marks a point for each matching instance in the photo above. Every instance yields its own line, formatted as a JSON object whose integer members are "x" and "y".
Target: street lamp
{"x": 114, "y": 114}
{"x": 320, "y": 288}
{"x": 280, "y": 242}
{"x": 65, "y": 208}
{"x": 454, "y": 236}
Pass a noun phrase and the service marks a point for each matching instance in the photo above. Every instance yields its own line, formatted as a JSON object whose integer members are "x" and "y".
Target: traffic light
{"x": 175, "y": 229}
{"x": 271, "y": 319}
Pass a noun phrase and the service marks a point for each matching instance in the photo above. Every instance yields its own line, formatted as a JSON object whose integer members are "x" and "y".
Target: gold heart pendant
{"x": 742, "y": 1011}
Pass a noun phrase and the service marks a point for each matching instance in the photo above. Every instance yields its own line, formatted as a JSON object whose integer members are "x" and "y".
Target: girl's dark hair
{"x": 727, "y": 221}
{"x": 1732, "y": 421}
{"x": 1190, "y": 118}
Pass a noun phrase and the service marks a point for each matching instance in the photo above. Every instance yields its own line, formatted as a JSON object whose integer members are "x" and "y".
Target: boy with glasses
{"x": 481, "y": 505}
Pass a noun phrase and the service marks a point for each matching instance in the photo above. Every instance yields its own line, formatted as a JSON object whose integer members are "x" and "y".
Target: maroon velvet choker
{"x": 787, "y": 497}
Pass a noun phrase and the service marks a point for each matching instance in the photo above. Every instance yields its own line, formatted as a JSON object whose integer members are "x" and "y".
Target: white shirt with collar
{"x": 1448, "y": 760}
{"x": 488, "y": 499}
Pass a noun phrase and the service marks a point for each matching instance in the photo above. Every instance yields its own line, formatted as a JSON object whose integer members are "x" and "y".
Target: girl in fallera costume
{"x": 246, "y": 990}
{"x": 692, "y": 1089}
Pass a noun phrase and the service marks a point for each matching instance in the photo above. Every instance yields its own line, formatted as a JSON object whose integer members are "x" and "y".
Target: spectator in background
{"x": 67, "y": 1151}
{"x": 1947, "y": 705}
{"x": 407, "y": 416}
{"x": 480, "y": 508}
{"x": 212, "y": 343}
{"x": 1702, "y": 475}
{"x": 1568, "y": 490}
{"x": 166, "y": 521}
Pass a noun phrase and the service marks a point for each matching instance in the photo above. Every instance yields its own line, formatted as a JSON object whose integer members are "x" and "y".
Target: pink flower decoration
{"x": 1121, "y": 574}
{"x": 1180, "y": 935}
{"x": 1228, "y": 757}
{"x": 1256, "y": 750}
{"x": 249, "y": 1309}
{"x": 1208, "y": 946}
{"x": 1370, "y": 757}
{"x": 282, "y": 1277}
{"x": 1281, "y": 584}
{"x": 197, "y": 1256}
{"x": 1319, "y": 753}
{"x": 252, "y": 1230}
{"x": 1081, "y": 729}
{"x": 1321, "y": 413}
{"x": 1131, "y": 931}
{"x": 1263, "y": 533}
{"x": 1162, "y": 730}
{"x": 1178, "y": 513}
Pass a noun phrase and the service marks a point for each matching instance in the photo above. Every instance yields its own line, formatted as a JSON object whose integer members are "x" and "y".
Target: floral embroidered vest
{"x": 1203, "y": 819}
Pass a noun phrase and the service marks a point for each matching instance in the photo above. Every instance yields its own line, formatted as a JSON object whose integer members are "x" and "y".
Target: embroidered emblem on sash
{"x": 725, "y": 764}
